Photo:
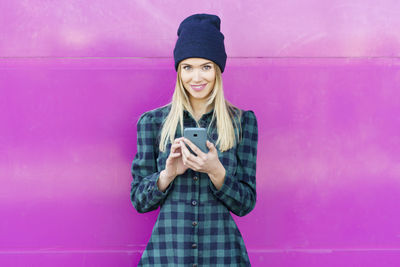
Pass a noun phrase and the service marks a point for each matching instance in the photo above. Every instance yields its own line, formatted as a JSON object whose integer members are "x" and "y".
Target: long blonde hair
{"x": 224, "y": 114}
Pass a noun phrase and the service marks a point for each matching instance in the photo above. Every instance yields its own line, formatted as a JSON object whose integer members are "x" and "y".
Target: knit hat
{"x": 199, "y": 36}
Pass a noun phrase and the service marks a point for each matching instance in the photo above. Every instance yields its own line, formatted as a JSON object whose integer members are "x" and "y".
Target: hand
{"x": 174, "y": 165}
{"x": 203, "y": 162}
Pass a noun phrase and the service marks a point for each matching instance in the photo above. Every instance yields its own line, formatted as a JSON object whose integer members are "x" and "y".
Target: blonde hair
{"x": 224, "y": 114}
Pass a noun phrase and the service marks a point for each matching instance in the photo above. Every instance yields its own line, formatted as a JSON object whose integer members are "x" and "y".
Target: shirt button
{"x": 195, "y": 178}
{"x": 194, "y": 202}
{"x": 194, "y": 223}
{"x": 194, "y": 245}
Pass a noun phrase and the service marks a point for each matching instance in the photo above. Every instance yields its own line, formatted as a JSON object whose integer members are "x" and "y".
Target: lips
{"x": 198, "y": 87}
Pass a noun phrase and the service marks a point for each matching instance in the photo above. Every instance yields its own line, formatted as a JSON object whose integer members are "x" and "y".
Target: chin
{"x": 200, "y": 95}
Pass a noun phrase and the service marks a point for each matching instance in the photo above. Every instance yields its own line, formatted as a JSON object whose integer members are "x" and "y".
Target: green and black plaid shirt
{"x": 194, "y": 226}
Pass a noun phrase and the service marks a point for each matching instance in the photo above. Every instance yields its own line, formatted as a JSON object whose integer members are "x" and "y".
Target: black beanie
{"x": 199, "y": 36}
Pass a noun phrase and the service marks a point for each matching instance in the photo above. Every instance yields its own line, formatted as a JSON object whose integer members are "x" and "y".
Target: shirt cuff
{"x": 225, "y": 189}
{"x": 154, "y": 187}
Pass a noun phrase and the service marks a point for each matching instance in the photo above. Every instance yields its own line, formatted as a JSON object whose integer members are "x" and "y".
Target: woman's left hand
{"x": 204, "y": 162}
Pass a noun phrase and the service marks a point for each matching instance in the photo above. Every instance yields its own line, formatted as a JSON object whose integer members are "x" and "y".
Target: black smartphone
{"x": 197, "y": 136}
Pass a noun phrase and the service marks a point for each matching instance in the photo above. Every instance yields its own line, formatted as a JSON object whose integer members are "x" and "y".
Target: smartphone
{"x": 198, "y": 136}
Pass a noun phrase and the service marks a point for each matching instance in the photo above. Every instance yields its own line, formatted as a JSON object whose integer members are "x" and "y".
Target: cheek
{"x": 210, "y": 77}
{"x": 185, "y": 78}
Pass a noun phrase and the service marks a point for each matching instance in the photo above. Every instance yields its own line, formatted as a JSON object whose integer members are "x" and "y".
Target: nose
{"x": 197, "y": 76}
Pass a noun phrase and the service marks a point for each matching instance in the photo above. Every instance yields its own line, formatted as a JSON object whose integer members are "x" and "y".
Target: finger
{"x": 174, "y": 147}
{"x": 189, "y": 155}
{"x": 192, "y": 161}
{"x": 174, "y": 155}
{"x": 210, "y": 146}
{"x": 186, "y": 158}
{"x": 177, "y": 140}
{"x": 189, "y": 159}
{"x": 194, "y": 147}
{"x": 185, "y": 151}
{"x": 190, "y": 166}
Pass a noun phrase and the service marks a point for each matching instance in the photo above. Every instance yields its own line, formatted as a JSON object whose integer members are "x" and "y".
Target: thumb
{"x": 210, "y": 145}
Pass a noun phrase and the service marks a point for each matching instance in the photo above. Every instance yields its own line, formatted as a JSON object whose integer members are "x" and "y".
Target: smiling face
{"x": 198, "y": 77}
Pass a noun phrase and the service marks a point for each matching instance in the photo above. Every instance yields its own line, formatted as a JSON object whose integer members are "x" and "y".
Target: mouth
{"x": 198, "y": 87}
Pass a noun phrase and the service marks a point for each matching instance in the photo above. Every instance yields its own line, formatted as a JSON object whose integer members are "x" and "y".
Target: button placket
{"x": 195, "y": 205}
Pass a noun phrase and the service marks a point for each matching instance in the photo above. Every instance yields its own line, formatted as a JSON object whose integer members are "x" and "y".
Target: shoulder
{"x": 248, "y": 128}
{"x": 244, "y": 116}
{"x": 155, "y": 116}
{"x": 249, "y": 117}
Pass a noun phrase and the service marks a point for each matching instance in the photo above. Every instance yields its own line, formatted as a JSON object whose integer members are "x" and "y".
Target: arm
{"x": 145, "y": 194}
{"x": 238, "y": 191}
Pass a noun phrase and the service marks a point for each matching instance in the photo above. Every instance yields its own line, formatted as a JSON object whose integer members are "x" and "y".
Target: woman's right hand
{"x": 173, "y": 167}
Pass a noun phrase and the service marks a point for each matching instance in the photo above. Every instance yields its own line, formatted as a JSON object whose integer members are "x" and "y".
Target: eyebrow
{"x": 186, "y": 64}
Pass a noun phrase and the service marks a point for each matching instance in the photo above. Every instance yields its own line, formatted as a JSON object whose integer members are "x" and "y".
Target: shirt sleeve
{"x": 238, "y": 191}
{"x": 145, "y": 195}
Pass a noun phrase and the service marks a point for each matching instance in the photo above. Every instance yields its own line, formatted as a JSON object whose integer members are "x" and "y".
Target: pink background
{"x": 323, "y": 78}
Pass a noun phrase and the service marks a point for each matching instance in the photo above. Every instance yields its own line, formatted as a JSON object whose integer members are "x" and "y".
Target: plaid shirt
{"x": 194, "y": 226}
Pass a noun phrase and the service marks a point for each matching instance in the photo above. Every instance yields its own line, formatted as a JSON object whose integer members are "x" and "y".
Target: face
{"x": 198, "y": 77}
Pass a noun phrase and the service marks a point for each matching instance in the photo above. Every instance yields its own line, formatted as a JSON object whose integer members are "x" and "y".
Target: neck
{"x": 200, "y": 107}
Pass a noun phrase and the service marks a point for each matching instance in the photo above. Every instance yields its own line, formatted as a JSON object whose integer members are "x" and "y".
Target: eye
{"x": 207, "y": 67}
{"x": 186, "y": 67}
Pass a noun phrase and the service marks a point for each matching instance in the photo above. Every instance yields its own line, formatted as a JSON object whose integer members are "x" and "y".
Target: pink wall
{"x": 323, "y": 78}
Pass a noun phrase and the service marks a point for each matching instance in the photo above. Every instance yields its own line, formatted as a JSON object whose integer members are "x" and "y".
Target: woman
{"x": 196, "y": 193}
